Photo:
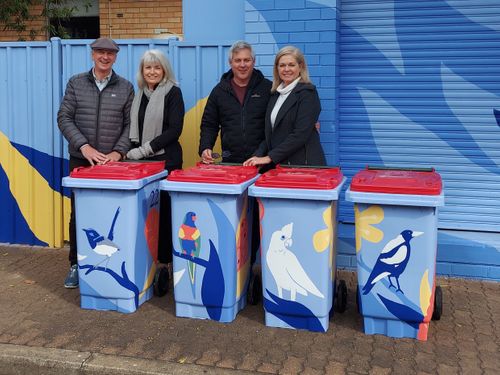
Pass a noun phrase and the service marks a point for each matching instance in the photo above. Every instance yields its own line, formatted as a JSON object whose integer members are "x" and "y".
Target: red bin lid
{"x": 301, "y": 178}
{"x": 119, "y": 170}
{"x": 214, "y": 174}
{"x": 416, "y": 181}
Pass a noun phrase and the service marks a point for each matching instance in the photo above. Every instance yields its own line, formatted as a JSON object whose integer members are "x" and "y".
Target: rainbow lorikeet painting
{"x": 190, "y": 241}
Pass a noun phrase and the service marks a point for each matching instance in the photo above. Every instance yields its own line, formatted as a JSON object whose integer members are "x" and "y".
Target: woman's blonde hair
{"x": 299, "y": 57}
{"x": 155, "y": 56}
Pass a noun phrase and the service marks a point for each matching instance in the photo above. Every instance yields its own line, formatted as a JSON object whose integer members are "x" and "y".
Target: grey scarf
{"x": 153, "y": 118}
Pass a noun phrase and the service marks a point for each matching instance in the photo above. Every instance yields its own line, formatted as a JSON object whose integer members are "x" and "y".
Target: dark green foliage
{"x": 16, "y": 14}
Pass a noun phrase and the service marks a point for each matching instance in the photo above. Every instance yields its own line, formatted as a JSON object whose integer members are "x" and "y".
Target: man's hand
{"x": 93, "y": 156}
{"x": 114, "y": 156}
{"x": 206, "y": 156}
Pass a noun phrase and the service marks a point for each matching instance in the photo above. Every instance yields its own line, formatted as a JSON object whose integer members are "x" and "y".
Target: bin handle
{"x": 76, "y": 169}
{"x": 410, "y": 169}
{"x": 308, "y": 166}
{"x": 229, "y": 164}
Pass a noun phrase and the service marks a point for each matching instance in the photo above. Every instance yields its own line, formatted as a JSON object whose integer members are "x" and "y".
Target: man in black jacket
{"x": 236, "y": 107}
{"x": 94, "y": 117}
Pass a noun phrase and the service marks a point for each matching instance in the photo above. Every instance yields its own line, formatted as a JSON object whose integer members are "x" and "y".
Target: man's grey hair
{"x": 238, "y": 46}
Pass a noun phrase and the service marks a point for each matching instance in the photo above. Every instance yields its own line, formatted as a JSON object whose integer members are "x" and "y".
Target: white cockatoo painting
{"x": 285, "y": 267}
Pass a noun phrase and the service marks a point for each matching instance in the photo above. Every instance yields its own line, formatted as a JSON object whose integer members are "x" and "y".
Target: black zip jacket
{"x": 294, "y": 138}
{"x": 241, "y": 126}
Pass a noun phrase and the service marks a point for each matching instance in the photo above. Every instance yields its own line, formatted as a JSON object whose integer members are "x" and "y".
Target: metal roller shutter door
{"x": 420, "y": 86}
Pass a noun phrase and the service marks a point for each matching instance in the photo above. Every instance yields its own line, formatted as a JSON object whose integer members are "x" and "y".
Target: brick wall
{"x": 127, "y": 19}
{"x": 312, "y": 27}
{"x": 123, "y": 19}
{"x": 37, "y": 24}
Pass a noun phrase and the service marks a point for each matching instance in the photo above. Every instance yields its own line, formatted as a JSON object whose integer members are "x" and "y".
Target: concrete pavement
{"x": 44, "y": 331}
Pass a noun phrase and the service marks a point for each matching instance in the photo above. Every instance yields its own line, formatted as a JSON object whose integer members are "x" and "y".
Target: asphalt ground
{"x": 43, "y": 330}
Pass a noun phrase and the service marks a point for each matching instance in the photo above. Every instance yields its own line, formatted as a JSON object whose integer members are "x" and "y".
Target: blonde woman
{"x": 292, "y": 113}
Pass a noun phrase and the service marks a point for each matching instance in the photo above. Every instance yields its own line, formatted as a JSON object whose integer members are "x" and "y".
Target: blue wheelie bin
{"x": 117, "y": 221}
{"x": 396, "y": 245}
{"x": 212, "y": 216}
{"x": 298, "y": 223}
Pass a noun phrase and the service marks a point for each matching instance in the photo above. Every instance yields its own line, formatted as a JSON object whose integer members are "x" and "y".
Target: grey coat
{"x": 99, "y": 118}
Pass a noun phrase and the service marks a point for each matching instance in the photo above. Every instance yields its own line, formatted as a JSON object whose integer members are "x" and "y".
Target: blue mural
{"x": 414, "y": 84}
{"x": 400, "y": 82}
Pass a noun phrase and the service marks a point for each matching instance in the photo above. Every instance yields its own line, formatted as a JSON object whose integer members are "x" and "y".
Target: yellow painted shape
{"x": 190, "y": 137}
{"x": 241, "y": 278}
{"x": 34, "y": 196}
{"x": 322, "y": 238}
{"x": 66, "y": 210}
{"x": 149, "y": 280}
{"x": 333, "y": 251}
{"x": 364, "y": 221}
{"x": 425, "y": 293}
{"x": 196, "y": 234}
{"x": 242, "y": 251}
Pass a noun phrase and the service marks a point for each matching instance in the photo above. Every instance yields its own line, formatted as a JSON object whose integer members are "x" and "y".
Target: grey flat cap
{"x": 105, "y": 43}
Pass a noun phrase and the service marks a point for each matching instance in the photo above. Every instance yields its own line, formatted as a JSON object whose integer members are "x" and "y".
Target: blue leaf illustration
{"x": 297, "y": 315}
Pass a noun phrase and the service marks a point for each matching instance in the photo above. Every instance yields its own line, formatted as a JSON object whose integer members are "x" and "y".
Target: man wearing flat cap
{"x": 94, "y": 117}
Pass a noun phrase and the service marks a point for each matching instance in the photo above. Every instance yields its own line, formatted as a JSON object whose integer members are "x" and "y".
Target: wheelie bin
{"x": 117, "y": 221}
{"x": 396, "y": 245}
{"x": 298, "y": 223}
{"x": 211, "y": 218}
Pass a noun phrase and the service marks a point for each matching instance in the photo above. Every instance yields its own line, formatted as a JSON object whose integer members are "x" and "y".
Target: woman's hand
{"x": 140, "y": 152}
{"x": 257, "y": 161}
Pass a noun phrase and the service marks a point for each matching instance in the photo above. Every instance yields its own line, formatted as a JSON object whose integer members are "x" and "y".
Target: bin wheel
{"x": 254, "y": 293}
{"x": 341, "y": 297}
{"x": 358, "y": 300}
{"x": 438, "y": 303}
{"x": 160, "y": 283}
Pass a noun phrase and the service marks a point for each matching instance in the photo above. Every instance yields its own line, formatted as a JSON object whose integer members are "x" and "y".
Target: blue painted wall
{"x": 312, "y": 26}
{"x": 33, "y": 154}
{"x": 391, "y": 82}
{"x": 213, "y": 21}
{"x": 405, "y": 83}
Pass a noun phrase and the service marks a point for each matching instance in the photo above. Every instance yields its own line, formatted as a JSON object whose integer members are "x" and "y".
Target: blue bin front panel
{"x": 211, "y": 237}
{"x": 117, "y": 238}
{"x": 396, "y": 256}
{"x": 298, "y": 261}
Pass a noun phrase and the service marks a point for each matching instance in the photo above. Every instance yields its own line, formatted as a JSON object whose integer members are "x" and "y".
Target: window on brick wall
{"x": 80, "y": 27}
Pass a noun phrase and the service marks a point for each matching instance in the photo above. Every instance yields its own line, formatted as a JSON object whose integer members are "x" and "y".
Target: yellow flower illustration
{"x": 323, "y": 239}
{"x": 364, "y": 221}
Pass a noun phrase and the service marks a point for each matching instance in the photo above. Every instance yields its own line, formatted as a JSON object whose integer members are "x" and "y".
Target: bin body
{"x": 298, "y": 224}
{"x": 396, "y": 247}
{"x": 211, "y": 228}
{"x": 117, "y": 223}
